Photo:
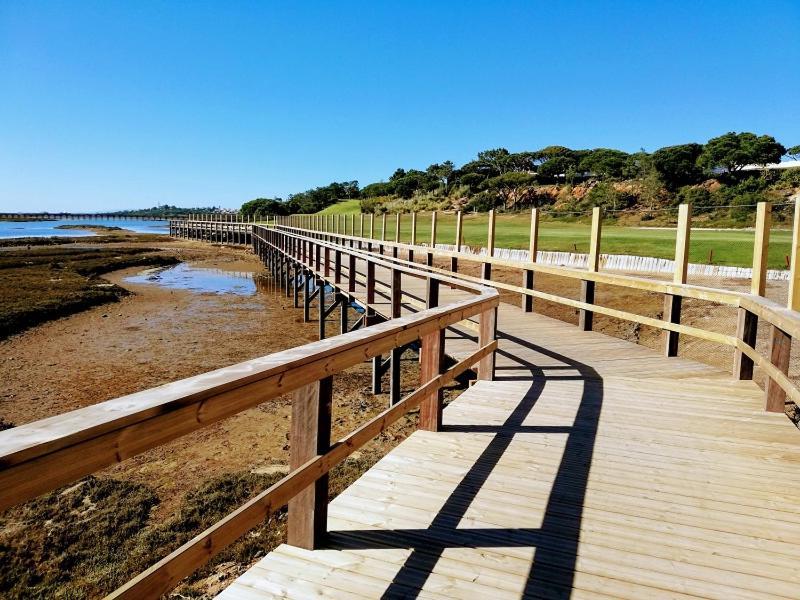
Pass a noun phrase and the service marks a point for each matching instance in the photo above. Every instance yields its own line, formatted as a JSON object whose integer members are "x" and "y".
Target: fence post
{"x": 487, "y": 266}
{"x": 383, "y": 228}
{"x": 431, "y": 365}
{"x": 372, "y": 226}
{"x": 395, "y": 249}
{"x": 794, "y": 278}
{"x": 527, "y": 274}
{"x": 747, "y": 322}
{"x": 459, "y": 237}
{"x": 413, "y": 235}
{"x": 310, "y": 436}
{"x": 429, "y": 260}
{"x": 587, "y": 287}
{"x": 351, "y": 273}
{"x": 780, "y": 342}
{"x": 487, "y": 332}
{"x": 361, "y": 225}
{"x": 396, "y": 353}
{"x": 672, "y": 302}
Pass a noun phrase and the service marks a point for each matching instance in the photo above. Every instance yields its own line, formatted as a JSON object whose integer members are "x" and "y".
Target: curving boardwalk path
{"x": 591, "y": 468}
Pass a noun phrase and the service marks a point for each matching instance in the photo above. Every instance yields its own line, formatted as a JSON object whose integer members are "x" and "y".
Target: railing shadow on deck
{"x": 557, "y": 539}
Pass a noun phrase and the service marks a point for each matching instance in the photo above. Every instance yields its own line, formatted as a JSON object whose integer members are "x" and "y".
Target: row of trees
{"x": 499, "y": 174}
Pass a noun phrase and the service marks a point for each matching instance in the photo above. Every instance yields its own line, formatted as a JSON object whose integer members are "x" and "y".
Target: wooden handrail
{"x": 784, "y": 321}
{"x": 41, "y": 456}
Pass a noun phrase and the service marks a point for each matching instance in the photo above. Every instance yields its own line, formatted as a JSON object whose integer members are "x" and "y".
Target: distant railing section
{"x": 753, "y": 308}
{"x": 38, "y": 457}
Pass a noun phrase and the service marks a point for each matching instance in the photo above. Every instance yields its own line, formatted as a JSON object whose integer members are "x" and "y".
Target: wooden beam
{"x": 487, "y": 332}
{"x": 760, "y": 248}
{"x": 794, "y": 278}
{"x": 780, "y": 349}
{"x": 459, "y": 238}
{"x": 673, "y": 302}
{"x": 432, "y": 365}
{"x": 310, "y": 437}
{"x": 586, "y": 317}
{"x": 486, "y": 268}
{"x": 533, "y": 247}
{"x": 429, "y": 259}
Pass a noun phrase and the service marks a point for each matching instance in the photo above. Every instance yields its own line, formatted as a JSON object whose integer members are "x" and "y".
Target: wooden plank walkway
{"x": 592, "y": 468}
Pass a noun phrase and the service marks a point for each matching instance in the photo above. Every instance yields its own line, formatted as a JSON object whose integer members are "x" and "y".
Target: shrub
{"x": 790, "y": 178}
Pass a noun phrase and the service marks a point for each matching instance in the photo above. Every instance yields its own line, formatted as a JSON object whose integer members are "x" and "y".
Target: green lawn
{"x": 727, "y": 247}
{"x": 348, "y": 207}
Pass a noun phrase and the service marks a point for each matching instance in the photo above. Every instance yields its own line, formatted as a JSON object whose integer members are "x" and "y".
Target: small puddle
{"x": 195, "y": 279}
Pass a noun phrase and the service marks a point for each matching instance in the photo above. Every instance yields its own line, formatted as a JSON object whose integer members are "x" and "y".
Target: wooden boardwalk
{"x": 592, "y": 467}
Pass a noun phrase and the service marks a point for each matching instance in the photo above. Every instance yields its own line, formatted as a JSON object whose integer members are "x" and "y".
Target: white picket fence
{"x": 620, "y": 262}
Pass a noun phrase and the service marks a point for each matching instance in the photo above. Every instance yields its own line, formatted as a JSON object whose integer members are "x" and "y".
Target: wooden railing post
{"x": 372, "y": 226}
{"x": 413, "y": 235}
{"x": 432, "y": 364}
{"x": 337, "y": 266}
{"x": 747, "y": 322}
{"x": 310, "y": 437}
{"x": 487, "y": 332}
{"x": 383, "y": 227}
{"x": 487, "y": 266}
{"x": 587, "y": 287}
{"x": 361, "y": 225}
{"x": 429, "y": 260}
{"x": 395, "y": 249}
{"x": 396, "y": 353}
{"x": 459, "y": 237}
{"x": 794, "y": 277}
{"x": 780, "y": 342}
{"x": 533, "y": 248}
{"x": 672, "y": 302}
{"x": 351, "y": 273}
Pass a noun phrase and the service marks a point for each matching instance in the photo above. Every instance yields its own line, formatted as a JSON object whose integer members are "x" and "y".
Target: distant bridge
{"x": 96, "y": 216}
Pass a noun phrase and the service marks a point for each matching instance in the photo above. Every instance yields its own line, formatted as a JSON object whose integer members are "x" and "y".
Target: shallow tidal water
{"x": 201, "y": 280}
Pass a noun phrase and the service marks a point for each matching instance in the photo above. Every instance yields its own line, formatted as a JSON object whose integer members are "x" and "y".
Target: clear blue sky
{"x": 109, "y": 105}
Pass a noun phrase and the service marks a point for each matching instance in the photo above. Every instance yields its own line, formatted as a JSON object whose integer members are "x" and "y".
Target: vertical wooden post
{"x": 383, "y": 227}
{"x": 487, "y": 331}
{"x": 459, "y": 237}
{"x": 780, "y": 342}
{"x": 747, "y": 322}
{"x": 321, "y": 295}
{"x": 487, "y": 266}
{"x": 413, "y": 235}
{"x": 351, "y": 273}
{"x": 307, "y": 279}
{"x": 396, "y": 353}
{"x": 337, "y": 267}
{"x": 794, "y": 278}
{"x": 344, "y": 305}
{"x": 429, "y": 260}
{"x": 361, "y": 225}
{"x": 395, "y": 249}
{"x": 587, "y": 287}
{"x": 431, "y": 365}
{"x": 372, "y": 226}
{"x": 672, "y": 302}
{"x": 310, "y": 436}
{"x": 528, "y": 274}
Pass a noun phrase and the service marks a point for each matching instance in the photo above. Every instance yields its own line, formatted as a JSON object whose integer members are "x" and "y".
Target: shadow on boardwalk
{"x": 556, "y": 541}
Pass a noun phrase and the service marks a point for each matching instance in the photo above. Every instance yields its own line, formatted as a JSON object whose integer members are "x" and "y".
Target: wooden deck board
{"x": 591, "y": 468}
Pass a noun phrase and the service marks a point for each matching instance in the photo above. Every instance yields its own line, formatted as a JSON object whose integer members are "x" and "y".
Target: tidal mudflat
{"x": 153, "y": 502}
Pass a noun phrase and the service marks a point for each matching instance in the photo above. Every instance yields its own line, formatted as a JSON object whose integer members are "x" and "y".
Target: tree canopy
{"x": 732, "y": 151}
{"x": 677, "y": 165}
